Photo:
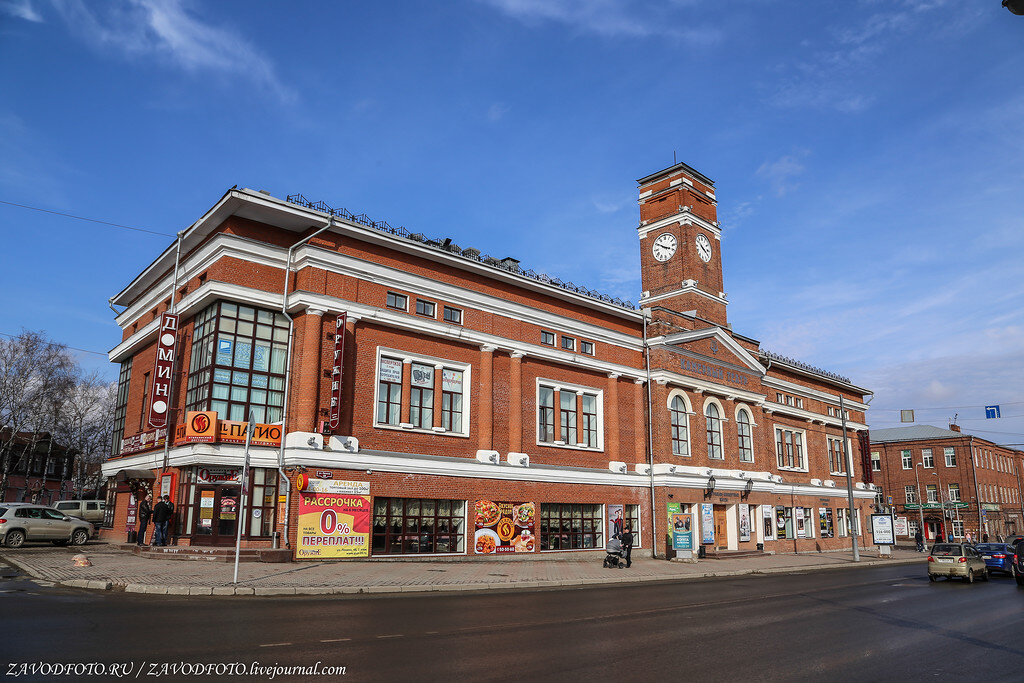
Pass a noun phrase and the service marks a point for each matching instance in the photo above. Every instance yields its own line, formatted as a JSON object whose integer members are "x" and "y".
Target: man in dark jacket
{"x": 145, "y": 512}
{"x": 161, "y": 515}
{"x": 919, "y": 539}
{"x": 627, "y": 544}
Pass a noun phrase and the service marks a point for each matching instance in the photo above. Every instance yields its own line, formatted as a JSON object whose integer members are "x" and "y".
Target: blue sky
{"x": 868, "y": 156}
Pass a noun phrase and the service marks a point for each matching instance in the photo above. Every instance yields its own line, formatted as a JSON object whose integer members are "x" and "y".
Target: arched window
{"x": 680, "y": 439}
{"x": 745, "y": 440}
{"x": 714, "y": 422}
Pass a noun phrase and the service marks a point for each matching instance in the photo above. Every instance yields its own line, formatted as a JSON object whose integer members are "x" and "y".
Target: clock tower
{"x": 680, "y": 244}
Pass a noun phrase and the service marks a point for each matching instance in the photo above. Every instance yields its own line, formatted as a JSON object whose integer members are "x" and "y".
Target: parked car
{"x": 89, "y": 510}
{"x": 20, "y": 522}
{"x": 998, "y": 557}
{"x": 1018, "y": 562}
{"x": 956, "y": 559}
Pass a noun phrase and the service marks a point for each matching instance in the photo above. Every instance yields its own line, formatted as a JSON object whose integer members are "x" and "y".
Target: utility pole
{"x": 920, "y": 503}
{"x": 849, "y": 484}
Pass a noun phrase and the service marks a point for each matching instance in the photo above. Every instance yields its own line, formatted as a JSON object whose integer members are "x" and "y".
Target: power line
{"x": 73, "y": 348}
{"x": 1012, "y": 403}
{"x": 91, "y": 220}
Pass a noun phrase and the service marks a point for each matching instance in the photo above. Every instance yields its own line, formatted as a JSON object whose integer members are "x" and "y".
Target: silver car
{"x": 20, "y": 522}
{"x": 956, "y": 559}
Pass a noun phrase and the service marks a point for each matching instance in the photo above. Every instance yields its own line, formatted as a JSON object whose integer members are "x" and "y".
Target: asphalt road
{"x": 860, "y": 624}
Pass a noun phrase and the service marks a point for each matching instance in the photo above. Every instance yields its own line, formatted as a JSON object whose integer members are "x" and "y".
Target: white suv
{"x": 20, "y": 522}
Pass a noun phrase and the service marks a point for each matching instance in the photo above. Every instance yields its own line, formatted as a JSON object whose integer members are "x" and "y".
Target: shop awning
{"x": 125, "y": 475}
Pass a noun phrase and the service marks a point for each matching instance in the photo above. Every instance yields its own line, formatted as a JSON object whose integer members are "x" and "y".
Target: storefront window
{"x": 260, "y": 505}
{"x": 121, "y": 407}
{"x": 632, "y": 516}
{"x": 403, "y": 526}
{"x": 238, "y": 358}
{"x": 565, "y": 526}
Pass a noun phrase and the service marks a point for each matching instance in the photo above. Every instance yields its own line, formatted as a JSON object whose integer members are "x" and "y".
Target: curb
{"x": 277, "y": 591}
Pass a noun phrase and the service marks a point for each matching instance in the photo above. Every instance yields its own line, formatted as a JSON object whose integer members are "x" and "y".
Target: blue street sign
{"x": 991, "y": 411}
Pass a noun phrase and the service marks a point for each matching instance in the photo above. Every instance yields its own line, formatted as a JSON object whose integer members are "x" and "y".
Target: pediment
{"x": 713, "y": 344}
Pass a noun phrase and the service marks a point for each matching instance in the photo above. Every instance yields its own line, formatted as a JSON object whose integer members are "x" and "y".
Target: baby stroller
{"x": 614, "y": 557}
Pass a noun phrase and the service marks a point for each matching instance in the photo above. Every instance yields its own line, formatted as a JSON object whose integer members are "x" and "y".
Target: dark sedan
{"x": 998, "y": 557}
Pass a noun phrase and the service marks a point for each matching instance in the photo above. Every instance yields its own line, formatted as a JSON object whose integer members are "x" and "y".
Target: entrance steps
{"x": 733, "y": 554}
{"x": 208, "y": 554}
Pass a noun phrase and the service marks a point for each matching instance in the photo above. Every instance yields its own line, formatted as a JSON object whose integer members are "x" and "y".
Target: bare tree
{"x": 36, "y": 377}
{"x": 85, "y": 427}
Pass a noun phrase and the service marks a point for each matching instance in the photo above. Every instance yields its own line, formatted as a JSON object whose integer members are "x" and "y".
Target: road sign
{"x": 991, "y": 412}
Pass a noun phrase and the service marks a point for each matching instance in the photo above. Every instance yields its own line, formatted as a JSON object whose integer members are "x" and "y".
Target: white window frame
{"x": 742, "y": 407}
{"x": 433, "y": 306}
{"x": 876, "y": 461}
{"x": 583, "y": 348}
{"x": 927, "y": 458}
{"x": 577, "y": 389}
{"x": 722, "y": 419}
{"x": 907, "y": 458}
{"x": 952, "y": 498}
{"x": 947, "y": 452}
{"x": 928, "y": 489}
{"x": 910, "y": 494}
{"x": 404, "y": 307}
{"x": 444, "y": 317}
{"x": 803, "y": 443}
{"x": 829, "y": 438}
{"x": 567, "y": 338}
{"x": 439, "y": 364}
{"x": 679, "y": 393}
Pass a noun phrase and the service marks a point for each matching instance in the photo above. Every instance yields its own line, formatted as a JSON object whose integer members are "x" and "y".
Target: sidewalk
{"x": 114, "y": 569}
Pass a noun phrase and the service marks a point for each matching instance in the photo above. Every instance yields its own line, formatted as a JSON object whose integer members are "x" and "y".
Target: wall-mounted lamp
{"x": 711, "y": 486}
{"x": 747, "y": 488}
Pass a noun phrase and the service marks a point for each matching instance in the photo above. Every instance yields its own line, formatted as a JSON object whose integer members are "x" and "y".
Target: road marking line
{"x": 394, "y": 635}
{"x": 334, "y": 640}
{"x": 274, "y": 644}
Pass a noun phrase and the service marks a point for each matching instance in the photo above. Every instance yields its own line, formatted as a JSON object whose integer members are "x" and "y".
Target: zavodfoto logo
{"x": 200, "y": 423}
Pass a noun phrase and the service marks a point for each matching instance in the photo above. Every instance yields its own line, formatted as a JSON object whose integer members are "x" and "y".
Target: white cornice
{"x": 683, "y": 217}
{"x": 688, "y": 287}
{"x": 695, "y": 384}
{"x": 681, "y": 338}
{"x": 801, "y": 390}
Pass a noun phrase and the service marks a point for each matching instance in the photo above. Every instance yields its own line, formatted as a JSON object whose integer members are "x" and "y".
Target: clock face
{"x": 703, "y": 248}
{"x": 664, "y": 246}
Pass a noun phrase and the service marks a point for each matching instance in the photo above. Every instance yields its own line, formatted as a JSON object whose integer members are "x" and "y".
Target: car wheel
{"x": 970, "y": 576}
{"x": 1018, "y": 578}
{"x": 79, "y": 537}
{"x": 932, "y": 578}
{"x": 986, "y": 576}
{"x": 15, "y": 538}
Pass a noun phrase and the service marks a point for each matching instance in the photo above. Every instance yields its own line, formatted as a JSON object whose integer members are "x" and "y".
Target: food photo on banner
{"x": 334, "y": 518}
{"x": 680, "y": 522}
{"x": 503, "y": 527}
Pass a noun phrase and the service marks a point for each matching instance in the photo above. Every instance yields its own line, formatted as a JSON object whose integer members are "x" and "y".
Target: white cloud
{"x": 782, "y": 173}
{"x": 22, "y": 9}
{"x": 610, "y": 18}
{"x": 497, "y": 111}
{"x": 169, "y": 30}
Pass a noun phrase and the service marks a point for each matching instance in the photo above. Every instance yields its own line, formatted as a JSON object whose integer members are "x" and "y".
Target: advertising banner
{"x": 882, "y": 530}
{"x": 680, "y": 521}
{"x": 206, "y": 508}
{"x": 801, "y": 529}
{"x": 204, "y": 427}
{"x": 219, "y": 475}
{"x": 166, "y": 342}
{"x": 144, "y": 441}
{"x": 707, "y": 523}
{"x": 901, "y": 527}
{"x": 334, "y": 519}
{"x": 503, "y": 527}
{"x": 744, "y": 522}
{"x": 615, "y": 520}
{"x": 825, "y": 522}
{"x": 769, "y": 521}
{"x": 780, "y": 522}
{"x": 129, "y": 523}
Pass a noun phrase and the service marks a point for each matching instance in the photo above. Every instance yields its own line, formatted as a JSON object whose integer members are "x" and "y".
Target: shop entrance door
{"x": 216, "y": 523}
{"x": 934, "y": 528}
{"x": 721, "y": 537}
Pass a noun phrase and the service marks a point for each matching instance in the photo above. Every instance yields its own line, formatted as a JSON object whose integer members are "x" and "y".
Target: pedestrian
{"x": 627, "y": 545}
{"x": 145, "y": 512}
{"x": 984, "y": 538}
{"x": 919, "y": 539}
{"x": 938, "y": 537}
{"x": 161, "y": 516}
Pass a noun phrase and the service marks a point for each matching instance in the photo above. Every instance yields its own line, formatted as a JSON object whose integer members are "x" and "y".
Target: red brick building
{"x": 950, "y": 479}
{"x": 38, "y": 469}
{"x": 466, "y": 379}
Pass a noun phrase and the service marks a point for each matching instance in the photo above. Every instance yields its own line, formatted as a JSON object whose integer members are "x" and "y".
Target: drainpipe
{"x": 650, "y": 438}
{"x": 288, "y": 376}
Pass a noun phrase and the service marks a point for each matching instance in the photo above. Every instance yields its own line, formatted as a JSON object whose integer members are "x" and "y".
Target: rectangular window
{"x": 932, "y": 491}
{"x": 452, "y": 315}
{"x": 876, "y": 461}
{"x": 958, "y": 528}
{"x": 389, "y": 391}
{"x": 799, "y": 403}
{"x": 568, "y": 343}
{"x": 836, "y": 464}
{"x": 778, "y": 397}
{"x": 398, "y": 302}
{"x": 632, "y": 519}
{"x": 121, "y": 408}
{"x": 408, "y": 526}
{"x": 451, "y": 400}
{"x": 589, "y": 427}
{"x": 908, "y": 460}
{"x": 238, "y": 359}
{"x": 789, "y": 448}
{"x": 567, "y": 416}
{"x": 587, "y": 348}
{"x": 421, "y": 400}
{"x": 789, "y": 400}
{"x": 145, "y": 401}
{"x": 926, "y": 458}
{"x": 911, "y": 493}
{"x": 546, "y": 415}
{"x": 547, "y": 338}
{"x": 954, "y": 493}
{"x": 425, "y": 308}
{"x": 565, "y": 526}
